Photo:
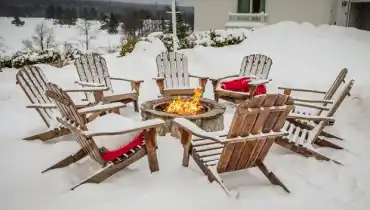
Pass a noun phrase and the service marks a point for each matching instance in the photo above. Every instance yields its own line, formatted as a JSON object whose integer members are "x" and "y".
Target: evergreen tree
{"x": 112, "y": 25}
{"x": 73, "y": 16}
{"x": 93, "y": 14}
{"x": 18, "y": 22}
{"x": 183, "y": 29}
{"x": 50, "y": 12}
{"x": 85, "y": 14}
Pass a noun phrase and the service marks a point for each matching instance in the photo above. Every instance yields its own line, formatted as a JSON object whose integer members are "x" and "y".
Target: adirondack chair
{"x": 87, "y": 135}
{"x": 32, "y": 80}
{"x": 173, "y": 76}
{"x": 92, "y": 71}
{"x": 322, "y": 103}
{"x": 255, "y": 66}
{"x": 328, "y": 95}
{"x": 256, "y": 124}
{"x": 302, "y": 137}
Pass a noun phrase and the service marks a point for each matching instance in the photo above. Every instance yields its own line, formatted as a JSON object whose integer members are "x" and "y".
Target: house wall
{"x": 314, "y": 11}
{"x": 213, "y": 14}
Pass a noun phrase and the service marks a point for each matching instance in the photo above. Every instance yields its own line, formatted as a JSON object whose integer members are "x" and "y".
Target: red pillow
{"x": 110, "y": 155}
{"x": 241, "y": 85}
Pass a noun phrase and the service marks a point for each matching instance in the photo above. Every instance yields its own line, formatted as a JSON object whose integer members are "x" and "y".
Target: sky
{"x": 180, "y": 2}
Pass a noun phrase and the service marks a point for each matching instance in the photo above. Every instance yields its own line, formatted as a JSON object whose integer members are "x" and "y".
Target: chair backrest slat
{"x": 334, "y": 87}
{"x": 33, "y": 83}
{"x": 319, "y": 127}
{"x": 72, "y": 120}
{"x": 173, "y": 67}
{"x": 256, "y": 64}
{"x": 93, "y": 68}
{"x": 262, "y": 114}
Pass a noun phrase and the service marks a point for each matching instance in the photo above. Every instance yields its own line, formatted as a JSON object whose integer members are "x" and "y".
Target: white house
{"x": 218, "y": 14}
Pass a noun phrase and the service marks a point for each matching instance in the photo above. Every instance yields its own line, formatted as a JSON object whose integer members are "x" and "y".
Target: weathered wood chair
{"x": 322, "y": 107}
{"x": 302, "y": 137}
{"x": 173, "y": 76}
{"x": 328, "y": 95}
{"x": 256, "y": 124}
{"x": 87, "y": 135}
{"x": 92, "y": 71}
{"x": 33, "y": 82}
{"x": 255, "y": 66}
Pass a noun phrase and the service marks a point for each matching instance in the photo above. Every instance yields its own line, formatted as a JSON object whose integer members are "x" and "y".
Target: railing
{"x": 247, "y": 17}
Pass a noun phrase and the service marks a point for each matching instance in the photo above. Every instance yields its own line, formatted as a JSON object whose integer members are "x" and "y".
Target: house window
{"x": 251, "y": 6}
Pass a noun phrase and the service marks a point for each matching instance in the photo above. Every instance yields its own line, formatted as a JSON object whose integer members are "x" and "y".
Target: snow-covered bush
{"x": 212, "y": 38}
{"x": 21, "y": 59}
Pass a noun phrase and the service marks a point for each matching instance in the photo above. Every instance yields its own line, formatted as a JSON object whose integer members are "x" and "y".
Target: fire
{"x": 186, "y": 107}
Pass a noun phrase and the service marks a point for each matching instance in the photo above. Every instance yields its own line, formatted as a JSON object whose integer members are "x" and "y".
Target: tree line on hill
{"x": 134, "y": 23}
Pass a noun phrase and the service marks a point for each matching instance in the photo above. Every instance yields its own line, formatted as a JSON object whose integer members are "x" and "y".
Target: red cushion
{"x": 241, "y": 85}
{"x": 110, "y": 155}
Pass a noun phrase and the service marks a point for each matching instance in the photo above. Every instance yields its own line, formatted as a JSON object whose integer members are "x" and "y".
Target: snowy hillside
{"x": 303, "y": 56}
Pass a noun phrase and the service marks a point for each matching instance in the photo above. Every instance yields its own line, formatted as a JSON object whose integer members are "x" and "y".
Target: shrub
{"x": 128, "y": 47}
{"x": 211, "y": 38}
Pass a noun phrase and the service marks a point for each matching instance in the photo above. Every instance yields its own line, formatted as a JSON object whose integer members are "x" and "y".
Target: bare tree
{"x": 2, "y": 45}
{"x": 43, "y": 39}
{"x": 87, "y": 32}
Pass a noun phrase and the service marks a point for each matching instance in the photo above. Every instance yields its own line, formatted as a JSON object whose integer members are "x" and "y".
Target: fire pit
{"x": 206, "y": 113}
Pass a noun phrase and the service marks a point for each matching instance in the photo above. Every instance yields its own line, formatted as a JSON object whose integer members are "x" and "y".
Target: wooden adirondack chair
{"x": 173, "y": 76}
{"x": 323, "y": 103}
{"x": 33, "y": 82}
{"x": 254, "y": 66}
{"x": 92, "y": 71}
{"x": 86, "y": 134}
{"x": 302, "y": 137}
{"x": 256, "y": 124}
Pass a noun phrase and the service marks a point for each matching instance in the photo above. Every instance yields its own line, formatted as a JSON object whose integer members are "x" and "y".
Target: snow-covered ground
{"x": 303, "y": 56}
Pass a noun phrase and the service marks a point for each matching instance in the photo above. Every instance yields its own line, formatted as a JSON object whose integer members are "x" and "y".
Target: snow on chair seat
{"x": 93, "y": 71}
{"x": 256, "y": 124}
{"x": 254, "y": 66}
{"x": 111, "y": 140}
{"x": 173, "y": 77}
{"x": 302, "y": 137}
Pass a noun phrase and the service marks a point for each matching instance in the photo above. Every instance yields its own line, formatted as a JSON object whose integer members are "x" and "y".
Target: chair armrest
{"x": 87, "y": 89}
{"x": 319, "y": 101}
{"x": 312, "y": 106}
{"x": 158, "y": 78}
{"x": 42, "y": 106}
{"x": 199, "y": 77}
{"x": 311, "y": 118}
{"x": 195, "y": 130}
{"x": 134, "y": 127}
{"x": 126, "y": 80}
{"x": 302, "y": 90}
{"x": 101, "y": 108}
{"x": 221, "y": 78}
{"x": 259, "y": 82}
{"x": 89, "y": 84}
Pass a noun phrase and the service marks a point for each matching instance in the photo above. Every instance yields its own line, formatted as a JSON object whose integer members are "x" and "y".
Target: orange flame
{"x": 186, "y": 107}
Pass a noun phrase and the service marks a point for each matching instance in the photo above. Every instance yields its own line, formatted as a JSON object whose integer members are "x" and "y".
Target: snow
{"x": 304, "y": 56}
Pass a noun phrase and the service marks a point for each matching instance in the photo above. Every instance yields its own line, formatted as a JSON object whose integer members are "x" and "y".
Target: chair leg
{"x": 185, "y": 138}
{"x": 302, "y": 150}
{"x": 325, "y": 143}
{"x": 150, "y": 145}
{"x": 68, "y": 160}
{"x": 98, "y": 176}
{"x": 219, "y": 180}
{"x": 270, "y": 176}
{"x": 48, "y": 134}
{"x": 136, "y": 105}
